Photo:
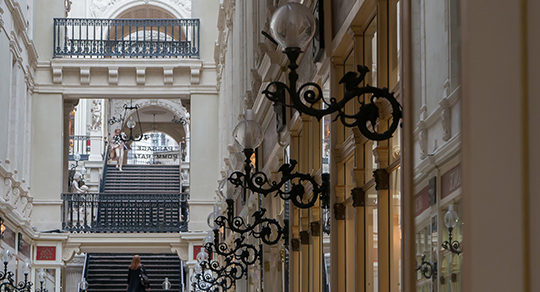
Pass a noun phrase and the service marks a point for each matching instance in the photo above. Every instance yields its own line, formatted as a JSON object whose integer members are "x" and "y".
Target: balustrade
{"x": 107, "y": 212}
{"x": 125, "y": 38}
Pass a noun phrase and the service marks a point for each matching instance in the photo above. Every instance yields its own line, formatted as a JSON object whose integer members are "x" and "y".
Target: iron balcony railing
{"x": 126, "y": 38}
{"x": 107, "y": 212}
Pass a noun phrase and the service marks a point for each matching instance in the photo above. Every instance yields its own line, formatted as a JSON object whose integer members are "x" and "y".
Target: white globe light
{"x": 166, "y": 285}
{"x": 202, "y": 256}
{"x": 248, "y": 133}
{"x": 131, "y": 123}
{"x": 84, "y": 285}
{"x": 451, "y": 217}
{"x": 292, "y": 25}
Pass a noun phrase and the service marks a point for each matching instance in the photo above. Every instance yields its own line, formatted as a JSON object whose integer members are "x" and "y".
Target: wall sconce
{"x": 249, "y": 135}
{"x": 6, "y": 277}
{"x": 268, "y": 230}
{"x": 41, "y": 277}
{"x": 427, "y": 269}
{"x": 450, "y": 220}
{"x": 246, "y": 253}
{"x": 83, "y": 285}
{"x": 166, "y": 285}
{"x": 211, "y": 276}
{"x": 292, "y": 27}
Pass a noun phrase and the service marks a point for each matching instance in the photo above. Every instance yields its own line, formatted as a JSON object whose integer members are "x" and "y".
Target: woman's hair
{"x": 135, "y": 262}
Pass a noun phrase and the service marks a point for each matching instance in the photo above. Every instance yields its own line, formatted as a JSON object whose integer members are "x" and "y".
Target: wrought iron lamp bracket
{"x": 451, "y": 245}
{"x": 428, "y": 270}
{"x": 258, "y": 182}
{"x": 268, "y": 230}
{"x": 308, "y": 97}
{"x": 246, "y": 253}
{"x": 7, "y": 283}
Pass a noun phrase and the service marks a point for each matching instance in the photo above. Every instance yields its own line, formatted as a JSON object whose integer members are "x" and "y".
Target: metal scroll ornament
{"x": 208, "y": 281}
{"x": 7, "y": 283}
{"x": 258, "y": 182}
{"x": 376, "y": 104}
{"x": 268, "y": 230}
{"x": 427, "y": 269}
{"x": 452, "y": 245}
{"x": 241, "y": 251}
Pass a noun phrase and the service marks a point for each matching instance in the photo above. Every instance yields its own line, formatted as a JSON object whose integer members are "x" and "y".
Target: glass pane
{"x": 372, "y": 244}
{"x": 395, "y": 235}
{"x": 394, "y": 43}
{"x": 325, "y": 214}
{"x": 370, "y": 52}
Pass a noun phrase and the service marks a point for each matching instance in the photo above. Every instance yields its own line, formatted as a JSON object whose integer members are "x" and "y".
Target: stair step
{"x": 108, "y": 272}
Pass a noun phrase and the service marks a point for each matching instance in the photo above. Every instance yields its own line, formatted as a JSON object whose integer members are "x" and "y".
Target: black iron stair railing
{"x": 125, "y": 38}
{"x": 111, "y": 212}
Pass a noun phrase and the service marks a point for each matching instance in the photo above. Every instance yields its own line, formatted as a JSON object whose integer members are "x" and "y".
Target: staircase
{"x": 108, "y": 272}
{"x": 142, "y": 179}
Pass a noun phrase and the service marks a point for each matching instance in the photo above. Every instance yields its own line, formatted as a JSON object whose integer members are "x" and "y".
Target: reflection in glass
{"x": 325, "y": 216}
{"x": 395, "y": 214}
{"x": 372, "y": 243}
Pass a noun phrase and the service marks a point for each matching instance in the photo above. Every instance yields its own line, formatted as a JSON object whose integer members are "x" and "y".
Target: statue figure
{"x": 96, "y": 116}
{"x": 77, "y": 184}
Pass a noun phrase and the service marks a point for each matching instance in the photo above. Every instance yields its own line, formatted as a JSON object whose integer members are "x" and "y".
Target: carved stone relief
{"x": 103, "y": 8}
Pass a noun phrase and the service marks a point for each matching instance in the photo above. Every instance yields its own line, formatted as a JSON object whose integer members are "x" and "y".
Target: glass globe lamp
{"x": 248, "y": 133}
{"x": 209, "y": 237}
{"x": 202, "y": 256}
{"x": 6, "y": 256}
{"x": 292, "y": 25}
{"x": 210, "y": 220}
{"x": 166, "y": 285}
{"x": 451, "y": 217}
{"x": 84, "y": 285}
{"x": 131, "y": 123}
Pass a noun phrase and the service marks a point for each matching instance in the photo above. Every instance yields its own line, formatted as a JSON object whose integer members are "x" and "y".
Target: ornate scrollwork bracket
{"x": 451, "y": 245}
{"x": 307, "y": 99}
{"x": 291, "y": 186}
{"x": 8, "y": 283}
{"x": 427, "y": 269}
{"x": 268, "y": 230}
{"x": 246, "y": 253}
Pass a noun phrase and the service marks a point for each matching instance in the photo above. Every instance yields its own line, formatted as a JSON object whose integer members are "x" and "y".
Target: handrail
{"x": 84, "y": 272}
{"x": 125, "y": 38}
{"x": 125, "y": 212}
{"x": 105, "y": 156}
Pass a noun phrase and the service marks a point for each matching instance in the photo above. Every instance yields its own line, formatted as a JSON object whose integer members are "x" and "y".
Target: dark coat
{"x": 134, "y": 280}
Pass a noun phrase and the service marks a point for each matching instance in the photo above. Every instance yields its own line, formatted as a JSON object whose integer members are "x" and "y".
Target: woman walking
{"x": 137, "y": 278}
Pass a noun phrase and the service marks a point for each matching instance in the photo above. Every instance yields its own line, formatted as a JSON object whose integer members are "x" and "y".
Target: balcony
{"x": 113, "y": 213}
{"x": 126, "y": 38}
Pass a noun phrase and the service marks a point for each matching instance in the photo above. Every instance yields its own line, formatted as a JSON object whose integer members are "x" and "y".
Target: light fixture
{"x": 268, "y": 230}
{"x": 292, "y": 27}
{"x": 249, "y": 135}
{"x": 210, "y": 275}
{"x": 450, "y": 220}
{"x": 83, "y": 285}
{"x": 428, "y": 270}
{"x": 246, "y": 253}
{"x": 166, "y": 285}
{"x": 131, "y": 123}
{"x": 7, "y": 281}
{"x": 41, "y": 277}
